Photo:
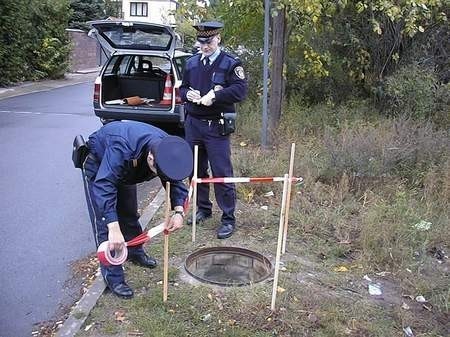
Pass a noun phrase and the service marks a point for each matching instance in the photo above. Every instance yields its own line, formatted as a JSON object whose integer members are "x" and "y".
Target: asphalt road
{"x": 45, "y": 225}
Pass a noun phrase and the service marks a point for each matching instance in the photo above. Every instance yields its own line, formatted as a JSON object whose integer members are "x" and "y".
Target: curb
{"x": 46, "y": 85}
{"x": 81, "y": 310}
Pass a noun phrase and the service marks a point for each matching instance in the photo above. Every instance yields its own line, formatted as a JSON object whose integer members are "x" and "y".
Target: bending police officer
{"x": 213, "y": 81}
{"x": 122, "y": 154}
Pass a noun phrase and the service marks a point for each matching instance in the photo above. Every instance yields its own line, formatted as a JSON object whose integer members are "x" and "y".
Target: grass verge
{"x": 358, "y": 220}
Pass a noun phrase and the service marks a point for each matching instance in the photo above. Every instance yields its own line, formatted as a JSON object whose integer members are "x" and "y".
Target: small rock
{"x": 313, "y": 318}
{"x": 375, "y": 289}
{"x": 408, "y": 331}
{"x": 421, "y": 299}
{"x": 367, "y": 278}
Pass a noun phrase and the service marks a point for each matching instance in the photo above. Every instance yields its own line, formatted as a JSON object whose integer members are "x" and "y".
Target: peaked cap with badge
{"x": 207, "y": 30}
{"x": 173, "y": 158}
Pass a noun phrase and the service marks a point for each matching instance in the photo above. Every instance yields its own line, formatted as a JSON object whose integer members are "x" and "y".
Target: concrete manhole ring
{"x": 228, "y": 266}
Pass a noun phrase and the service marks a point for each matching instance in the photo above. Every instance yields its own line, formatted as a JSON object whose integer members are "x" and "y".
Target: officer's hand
{"x": 115, "y": 237}
{"x": 193, "y": 95}
{"x": 175, "y": 222}
{"x": 208, "y": 99}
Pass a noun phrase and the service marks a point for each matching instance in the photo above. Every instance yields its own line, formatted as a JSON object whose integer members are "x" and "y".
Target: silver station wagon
{"x": 141, "y": 77}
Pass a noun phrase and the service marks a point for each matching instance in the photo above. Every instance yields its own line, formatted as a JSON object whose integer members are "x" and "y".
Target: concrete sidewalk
{"x": 81, "y": 76}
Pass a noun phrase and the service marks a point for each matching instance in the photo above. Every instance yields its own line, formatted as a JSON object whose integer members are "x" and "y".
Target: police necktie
{"x": 206, "y": 61}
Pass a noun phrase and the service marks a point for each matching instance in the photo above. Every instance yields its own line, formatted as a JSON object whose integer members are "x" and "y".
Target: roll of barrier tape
{"x": 105, "y": 257}
{"x": 104, "y": 253}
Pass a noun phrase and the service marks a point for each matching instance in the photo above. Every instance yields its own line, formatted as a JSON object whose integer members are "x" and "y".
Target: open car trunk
{"x": 136, "y": 75}
{"x": 120, "y": 87}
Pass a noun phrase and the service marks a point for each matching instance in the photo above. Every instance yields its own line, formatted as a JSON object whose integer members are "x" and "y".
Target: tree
{"x": 332, "y": 49}
{"x": 113, "y": 8}
{"x": 85, "y": 10}
{"x": 276, "y": 72}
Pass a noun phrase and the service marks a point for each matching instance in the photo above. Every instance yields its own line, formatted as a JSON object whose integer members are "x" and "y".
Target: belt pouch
{"x": 79, "y": 152}
{"x": 227, "y": 123}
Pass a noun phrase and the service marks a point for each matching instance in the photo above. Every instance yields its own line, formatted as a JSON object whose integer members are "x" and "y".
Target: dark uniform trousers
{"x": 127, "y": 213}
{"x": 216, "y": 148}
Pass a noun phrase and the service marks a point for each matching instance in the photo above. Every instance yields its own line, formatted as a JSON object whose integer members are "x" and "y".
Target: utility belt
{"x": 227, "y": 122}
{"x": 80, "y": 153}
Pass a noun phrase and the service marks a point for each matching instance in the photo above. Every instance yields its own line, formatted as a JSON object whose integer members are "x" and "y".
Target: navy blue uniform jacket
{"x": 121, "y": 148}
{"x": 226, "y": 72}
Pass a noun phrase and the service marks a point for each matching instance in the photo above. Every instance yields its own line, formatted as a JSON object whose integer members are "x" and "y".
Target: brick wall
{"x": 85, "y": 52}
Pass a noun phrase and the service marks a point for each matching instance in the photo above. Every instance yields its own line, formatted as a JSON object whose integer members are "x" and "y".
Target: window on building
{"x": 138, "y": 9}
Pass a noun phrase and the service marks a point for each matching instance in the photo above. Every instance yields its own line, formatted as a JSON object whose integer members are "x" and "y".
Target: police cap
{"x": 173, "y": 158}
{"x": 207, "y": 30}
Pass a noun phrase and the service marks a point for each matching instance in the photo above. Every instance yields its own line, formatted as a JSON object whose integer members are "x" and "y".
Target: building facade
{"x": 154, "y": 11}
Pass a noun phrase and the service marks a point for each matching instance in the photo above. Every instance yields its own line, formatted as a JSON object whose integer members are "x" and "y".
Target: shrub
{"x": 400, "y": 147}
{"x": 411, "y": 91}
{"x": 51, "y": 58}
{"x": 32, "y": 35}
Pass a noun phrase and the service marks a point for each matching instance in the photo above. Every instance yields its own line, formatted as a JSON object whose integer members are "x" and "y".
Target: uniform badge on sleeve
{"x": 239, "y": 71}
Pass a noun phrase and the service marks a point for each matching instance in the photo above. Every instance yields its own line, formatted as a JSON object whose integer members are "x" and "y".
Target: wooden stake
{"x": 288, "y": 201}
{"x": 166, "y": 245}
{"x": 280, "y": 237}
{"x": 194, "y": 194}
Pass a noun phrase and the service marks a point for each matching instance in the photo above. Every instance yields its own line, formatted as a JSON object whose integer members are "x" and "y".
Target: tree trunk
{"x": 276, "y": 73}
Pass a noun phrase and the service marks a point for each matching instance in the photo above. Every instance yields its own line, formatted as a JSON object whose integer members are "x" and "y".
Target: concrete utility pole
{"x": 264, "y": 131}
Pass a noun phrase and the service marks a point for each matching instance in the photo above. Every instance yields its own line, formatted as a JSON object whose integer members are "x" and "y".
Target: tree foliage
{"x": 33, "y": 40}
{"x": 336, "y": 49}
{"x": 86, "y": 10}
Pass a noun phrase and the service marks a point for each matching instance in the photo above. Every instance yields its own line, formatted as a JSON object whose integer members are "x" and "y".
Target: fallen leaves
{"x": 341, "y": 269}
{"x": 119, "y": 316}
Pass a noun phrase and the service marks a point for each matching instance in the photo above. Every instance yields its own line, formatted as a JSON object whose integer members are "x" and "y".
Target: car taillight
{"x": 97, "y": 87}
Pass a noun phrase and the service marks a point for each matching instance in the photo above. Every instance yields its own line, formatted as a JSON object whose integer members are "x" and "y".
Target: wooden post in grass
{"x": 280, "y": 238}
{"x": 194, "y": 194}
{"x": 288, "y": 201}
{"x": 166, "y": 245}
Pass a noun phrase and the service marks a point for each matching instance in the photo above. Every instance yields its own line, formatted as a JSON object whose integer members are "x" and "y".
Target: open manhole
{"x": 228, "y": 266}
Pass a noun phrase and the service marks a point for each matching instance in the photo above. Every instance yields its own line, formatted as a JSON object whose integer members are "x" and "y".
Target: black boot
{"x": 121, "y": 289}
{"x": 201, "y": 216}
{"x": 225, "y": 230}
{"x": 143, "y": 260}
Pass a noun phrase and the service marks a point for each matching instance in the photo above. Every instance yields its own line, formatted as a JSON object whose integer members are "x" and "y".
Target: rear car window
{"x": 136, "y": 38}
{"x": 151, "y": 66}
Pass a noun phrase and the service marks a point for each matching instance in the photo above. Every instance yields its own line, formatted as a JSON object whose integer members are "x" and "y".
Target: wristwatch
{"x": 179, "y": 212}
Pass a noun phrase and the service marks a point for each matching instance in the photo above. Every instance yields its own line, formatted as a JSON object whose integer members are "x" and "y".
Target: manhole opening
{"x": 228, "y": 266}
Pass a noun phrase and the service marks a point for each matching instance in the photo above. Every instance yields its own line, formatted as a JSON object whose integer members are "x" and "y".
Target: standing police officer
{"x": 213, "y": 81}
{"x": 122, "y": 154}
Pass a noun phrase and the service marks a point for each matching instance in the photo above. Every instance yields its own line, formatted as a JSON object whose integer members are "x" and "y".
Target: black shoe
{"x": 201, "y": 216}
{"x": 121, "y": 289}
{"x": 143, "y": 260}
{"x": 225, "y": 231}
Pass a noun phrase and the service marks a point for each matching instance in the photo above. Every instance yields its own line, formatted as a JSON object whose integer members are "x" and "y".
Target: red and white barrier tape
{"x": 227, "y": 180}
{"x": 232, "y": 180}
{"x": 104, "y": 254}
